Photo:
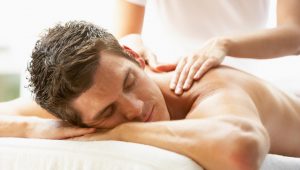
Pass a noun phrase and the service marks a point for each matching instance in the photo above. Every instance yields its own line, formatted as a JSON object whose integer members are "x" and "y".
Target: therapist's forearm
{"x": 129, "y": 18}
{"x": 271, "y": 43}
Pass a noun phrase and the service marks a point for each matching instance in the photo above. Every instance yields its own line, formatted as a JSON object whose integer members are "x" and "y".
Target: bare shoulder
{"x": 233, "y": 83}
{"x": 222, "y": 85}
{"x": 226, "y": 91}
{"x": 24, "y": 107}
{"x": 221, "y": 95}
{"x": 225, "y": 79}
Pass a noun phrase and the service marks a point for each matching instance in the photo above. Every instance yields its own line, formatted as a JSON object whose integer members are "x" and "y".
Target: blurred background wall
{"x": 23, "y": 21}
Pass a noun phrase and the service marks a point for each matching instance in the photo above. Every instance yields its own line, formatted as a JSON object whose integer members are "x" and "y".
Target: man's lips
{"x": 149, "y": 115}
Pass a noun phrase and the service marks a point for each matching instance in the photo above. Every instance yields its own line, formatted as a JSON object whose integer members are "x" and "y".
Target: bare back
{"x": 278, "y": 111}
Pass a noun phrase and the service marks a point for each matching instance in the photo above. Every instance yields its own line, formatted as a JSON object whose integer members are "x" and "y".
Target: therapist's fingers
{"x": 151, "y": 60}
{"x": 207, "y": 65}
{"x": 166, "y": 67}
{"x": 177, "y": 73}
{"x": 183, "y": 75}
{"x": 192, "y": 72}
{"x": 154, "y": 65}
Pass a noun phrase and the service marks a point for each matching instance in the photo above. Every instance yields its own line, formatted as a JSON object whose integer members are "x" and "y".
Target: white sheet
{"x": 278, "y": 162}
{"x": 38, "y": 154}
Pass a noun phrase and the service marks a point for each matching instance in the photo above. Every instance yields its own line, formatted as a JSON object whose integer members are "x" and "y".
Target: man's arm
{"x": 222, "y": 131}
{"x": 24, "y": 118}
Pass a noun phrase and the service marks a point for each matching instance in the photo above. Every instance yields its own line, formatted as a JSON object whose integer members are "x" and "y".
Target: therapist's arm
{"x": 280, "y": 41}
{"x": 265, "y": 44}
{"x": 129, "y": 18}
{"x": 128, "y": 25}
{"x": 128, "y": 29}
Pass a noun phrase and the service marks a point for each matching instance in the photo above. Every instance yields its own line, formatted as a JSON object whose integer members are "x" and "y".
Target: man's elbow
{"x": 249, "y": 148}
{"x": 248, "y": 154}
{"x": 294, "y": 29}
{"x": 242, "y": 145}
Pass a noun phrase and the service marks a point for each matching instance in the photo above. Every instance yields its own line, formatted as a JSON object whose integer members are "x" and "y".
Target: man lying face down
{"x": 228, "y": 120}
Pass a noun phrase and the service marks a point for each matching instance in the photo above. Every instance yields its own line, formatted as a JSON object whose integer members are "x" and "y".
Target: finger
{"x": 208, "y": 64}
{"x": 166, "y": 67}
{"x": 190, "y": 78}
{"x": 182, "y": 78}
{"x": 153, "y": 63}
{"x": 177, "y": 72}
{"x": 94, "y": 136}
{"x": 74, "y": 131}
{"x": 151, "y": 59}
{"x": 74, "y": 138}
{"x": 78, "y": 138}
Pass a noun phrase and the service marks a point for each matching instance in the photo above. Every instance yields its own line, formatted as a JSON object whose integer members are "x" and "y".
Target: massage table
{"x": 41, "y": 154}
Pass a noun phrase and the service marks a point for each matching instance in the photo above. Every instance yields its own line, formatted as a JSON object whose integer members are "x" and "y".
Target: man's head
{"x": 79, "y": 70}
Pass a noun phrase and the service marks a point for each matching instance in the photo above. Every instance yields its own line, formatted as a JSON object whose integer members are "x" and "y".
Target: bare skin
{"x": 24, "y": 118}
{"x": 278, "y": 112}
{"x": 228, "y": 112}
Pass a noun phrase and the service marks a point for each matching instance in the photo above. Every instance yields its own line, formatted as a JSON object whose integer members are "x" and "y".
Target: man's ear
{"x": 137, "y": 57}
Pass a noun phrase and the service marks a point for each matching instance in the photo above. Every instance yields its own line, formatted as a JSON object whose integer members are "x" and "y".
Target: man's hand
{"x": 98, "y": 135}
{"x": 53, "y": 129}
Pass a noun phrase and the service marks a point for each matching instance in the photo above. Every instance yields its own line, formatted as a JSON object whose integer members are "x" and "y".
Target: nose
{"x": 132, "y": 107}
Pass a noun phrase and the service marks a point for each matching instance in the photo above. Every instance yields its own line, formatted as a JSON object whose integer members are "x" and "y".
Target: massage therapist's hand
{"x": 54, "y": 129}
{"x": 135, "y": 42}
{"x": 154, "y": 65}
{"x": 192, "y": 67}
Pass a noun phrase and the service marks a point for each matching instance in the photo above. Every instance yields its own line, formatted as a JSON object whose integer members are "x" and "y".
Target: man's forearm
{"x": 212, "y": 143}
{"x": 13, "y": 126}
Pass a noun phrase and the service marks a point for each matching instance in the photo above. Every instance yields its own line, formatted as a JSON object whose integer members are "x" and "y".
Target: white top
{"x": 176, "y": 27}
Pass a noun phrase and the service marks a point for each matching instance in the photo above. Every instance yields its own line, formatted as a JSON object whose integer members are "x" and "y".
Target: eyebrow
{"x": 99, "y": 113}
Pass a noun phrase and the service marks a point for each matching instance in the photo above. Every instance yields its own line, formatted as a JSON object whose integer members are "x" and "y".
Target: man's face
{"x": 121, "y": 92}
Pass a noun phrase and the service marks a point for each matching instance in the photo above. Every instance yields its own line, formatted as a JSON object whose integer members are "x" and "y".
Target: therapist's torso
{"x": 173, "y": 28}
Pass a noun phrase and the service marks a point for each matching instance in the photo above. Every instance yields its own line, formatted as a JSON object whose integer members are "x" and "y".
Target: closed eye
{"x": 130, "y": 81}
{"x": 108, "y": 111}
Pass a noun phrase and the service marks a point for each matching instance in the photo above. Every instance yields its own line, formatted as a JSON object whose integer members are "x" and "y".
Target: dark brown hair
{"x": 62, "y": 65}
